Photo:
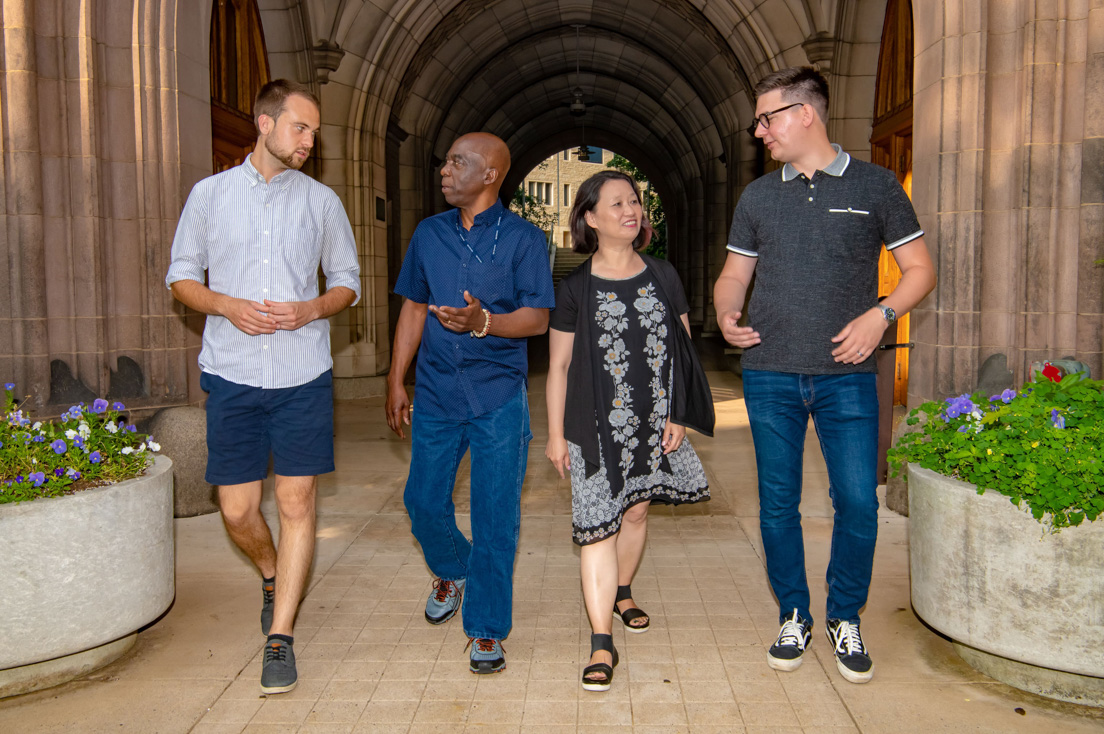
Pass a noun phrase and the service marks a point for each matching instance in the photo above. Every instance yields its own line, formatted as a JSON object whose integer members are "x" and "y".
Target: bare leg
{"x": 295, "y": 500}
{"x": 630, "y": 548}
{"x": 599, "y": 572}
{"x": 241, "y": 514}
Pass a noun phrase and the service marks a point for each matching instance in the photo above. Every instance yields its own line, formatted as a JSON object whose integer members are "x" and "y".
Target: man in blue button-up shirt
{"x": 477, "y": 283}
{"x": 259, "y": 232}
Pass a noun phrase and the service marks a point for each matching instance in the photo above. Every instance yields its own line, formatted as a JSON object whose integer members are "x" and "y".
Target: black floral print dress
{"x": 633, "y": 331}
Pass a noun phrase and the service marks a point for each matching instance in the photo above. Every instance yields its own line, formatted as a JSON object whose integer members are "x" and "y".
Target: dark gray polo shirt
{"x": 817, "y": 244}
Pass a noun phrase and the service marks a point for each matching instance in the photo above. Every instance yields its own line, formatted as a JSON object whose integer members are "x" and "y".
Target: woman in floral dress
{"x": 614, "y": 339}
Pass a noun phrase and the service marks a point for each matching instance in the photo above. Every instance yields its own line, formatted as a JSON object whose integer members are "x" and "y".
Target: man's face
{"x": 463, "y": 175}
{"x": 292, "y": 135}
{"x": 785, "y": 129}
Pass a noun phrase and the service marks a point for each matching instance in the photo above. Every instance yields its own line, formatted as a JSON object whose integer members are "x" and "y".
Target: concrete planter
{"x": 1021, "y": 605}
{"x": 80, "y": 575}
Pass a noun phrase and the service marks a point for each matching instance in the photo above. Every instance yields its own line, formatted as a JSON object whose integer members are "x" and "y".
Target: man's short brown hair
{"x": 273, "y": 96}
{"x": 798, "y": 84}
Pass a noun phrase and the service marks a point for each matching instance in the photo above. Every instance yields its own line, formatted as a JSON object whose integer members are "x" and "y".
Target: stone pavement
{"x": 368, "y": 662}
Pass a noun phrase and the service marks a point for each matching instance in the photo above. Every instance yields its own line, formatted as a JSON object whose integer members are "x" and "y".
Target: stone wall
{"x": 1009, "y": 185}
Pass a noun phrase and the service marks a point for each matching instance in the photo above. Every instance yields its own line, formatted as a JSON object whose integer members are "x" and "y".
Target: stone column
{"x": 1008, "y": 182}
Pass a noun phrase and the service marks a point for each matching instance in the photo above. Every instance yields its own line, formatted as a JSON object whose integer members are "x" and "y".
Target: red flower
{"x": 1051, "y": 372}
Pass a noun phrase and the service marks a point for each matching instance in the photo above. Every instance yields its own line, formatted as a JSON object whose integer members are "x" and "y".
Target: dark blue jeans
{"x": 844, "y": 409}
{"x": 499, "y": 443}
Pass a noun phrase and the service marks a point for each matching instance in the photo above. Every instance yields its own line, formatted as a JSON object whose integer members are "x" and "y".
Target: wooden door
{"x": 891, "y": 146}
{"x": 239, "y": 68}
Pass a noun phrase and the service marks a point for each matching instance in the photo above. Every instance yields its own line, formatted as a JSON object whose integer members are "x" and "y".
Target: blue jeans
{"x": 499, "y": 442}
{"x": 845, "y": 414}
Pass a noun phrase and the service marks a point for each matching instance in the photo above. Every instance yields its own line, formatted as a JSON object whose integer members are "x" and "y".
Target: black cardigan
{"x": 691, "y": 399}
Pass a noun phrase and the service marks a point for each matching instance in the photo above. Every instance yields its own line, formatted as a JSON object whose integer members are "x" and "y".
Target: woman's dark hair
{"x": 583, "y": 237}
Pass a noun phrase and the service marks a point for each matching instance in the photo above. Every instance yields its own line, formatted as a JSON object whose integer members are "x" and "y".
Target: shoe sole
{"x": 279, "y": 689}
{"x": 441, "y": 620}
{"x": 635, "y": 630}
{"x": 853, "y": 677}
{"x": 487, "y": 671}
{"x": 596, "y": 687}
{"x": 786, "y": 666}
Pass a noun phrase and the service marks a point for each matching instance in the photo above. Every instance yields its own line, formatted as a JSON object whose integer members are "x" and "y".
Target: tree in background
{"x": 653, "y": 207}
{"x": 533, "y": 209}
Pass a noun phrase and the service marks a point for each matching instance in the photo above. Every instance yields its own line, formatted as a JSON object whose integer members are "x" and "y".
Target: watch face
{"x": 889, "y": 313}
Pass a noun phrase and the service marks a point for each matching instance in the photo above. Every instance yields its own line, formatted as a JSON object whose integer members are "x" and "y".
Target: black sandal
{"x": 630, "y": 614}
{"x": 600, "y": 642}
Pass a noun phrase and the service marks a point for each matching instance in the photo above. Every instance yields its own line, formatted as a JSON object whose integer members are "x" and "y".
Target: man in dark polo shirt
{"x": 477, "y": 283}
{"x": 812, "y": 234}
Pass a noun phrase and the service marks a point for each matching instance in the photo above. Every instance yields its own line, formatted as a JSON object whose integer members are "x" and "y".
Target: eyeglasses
{"x": 764, "y": 119}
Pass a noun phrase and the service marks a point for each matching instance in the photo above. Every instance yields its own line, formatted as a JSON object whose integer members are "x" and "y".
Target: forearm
{"x": 915, "y": 284}
{"x": 556, "y": 399}
{"x": 198, "y": 297}
{"x": 408, "y": 337}
{"x": 728, "y": 295}
{"x": 519, "y": 324}
{"x": 333, "y": 301}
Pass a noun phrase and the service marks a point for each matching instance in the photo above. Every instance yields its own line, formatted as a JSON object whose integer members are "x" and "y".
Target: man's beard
{"x": 287, "y": 158}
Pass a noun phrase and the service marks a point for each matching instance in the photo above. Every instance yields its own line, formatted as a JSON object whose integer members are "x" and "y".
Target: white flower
{"x": 84, "y": 430}
{"x": 71, "y": 434}
{"x": 36, "y": 426}
{"x": 127, "y": 450}
{"x": 153, "y": 445}
{"x": 111, "y": 427}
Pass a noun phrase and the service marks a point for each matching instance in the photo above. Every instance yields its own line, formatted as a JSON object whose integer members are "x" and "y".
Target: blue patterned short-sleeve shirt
{"x": 503, "y": 261}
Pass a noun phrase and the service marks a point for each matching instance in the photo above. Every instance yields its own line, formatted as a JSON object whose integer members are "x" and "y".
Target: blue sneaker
{"x": 487, "y": 656}
{"x": 444, "y": 600}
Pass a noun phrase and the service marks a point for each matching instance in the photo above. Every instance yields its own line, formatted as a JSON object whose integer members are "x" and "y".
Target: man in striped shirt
{"x": 259, "y": 232}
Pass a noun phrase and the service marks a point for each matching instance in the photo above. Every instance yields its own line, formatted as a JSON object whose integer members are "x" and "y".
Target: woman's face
{"x": 618, "y": 215}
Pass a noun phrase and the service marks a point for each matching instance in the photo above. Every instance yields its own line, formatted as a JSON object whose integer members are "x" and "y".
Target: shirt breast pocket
{"x": 301, "y": 247}
{"x": 852, "y": 223}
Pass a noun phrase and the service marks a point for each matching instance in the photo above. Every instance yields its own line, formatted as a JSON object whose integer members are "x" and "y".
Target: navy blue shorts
{"x": 246, "y": 425}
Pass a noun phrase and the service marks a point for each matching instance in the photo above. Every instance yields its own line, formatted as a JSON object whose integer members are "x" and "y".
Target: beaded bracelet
{"x": 486, "y": 326}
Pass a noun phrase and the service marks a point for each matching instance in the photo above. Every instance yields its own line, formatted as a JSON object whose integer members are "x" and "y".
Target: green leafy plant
{"x": 89, "y": 446}
{"x": 1041, "y": 446}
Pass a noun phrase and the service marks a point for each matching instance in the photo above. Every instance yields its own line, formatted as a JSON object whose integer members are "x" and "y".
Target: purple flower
{"x": 1057, "y": 419}
{"x": 59, "y": 446}
{"x": 38, "y": 478}
{"x": 39, "y": 438}
{"x": 9, "y": 386}
{"x": 99, "y": 405}
{"x": 1005, "y": 397}
{"x": 78, "y": 442}
{"x": 95, "y": 457}
{"x": 118, "y": 406}
{"x": 58, "y": 472}
{"x": 962, "y": 429}
{"x": 1, "y": 444}
{"x": 73, "y": 473}
{"x": 18, "y": 478}
{"x": 962, "y": 405}
{"x": 132, "y": 429}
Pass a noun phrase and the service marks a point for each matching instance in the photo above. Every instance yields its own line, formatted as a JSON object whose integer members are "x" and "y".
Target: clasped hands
{"x": 268, "y": 317}
{"x": 857, "y": 340}
{"x": 467, "y": 318}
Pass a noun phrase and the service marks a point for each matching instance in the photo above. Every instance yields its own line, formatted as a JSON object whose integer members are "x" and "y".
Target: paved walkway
{"x": 368, "y": 662}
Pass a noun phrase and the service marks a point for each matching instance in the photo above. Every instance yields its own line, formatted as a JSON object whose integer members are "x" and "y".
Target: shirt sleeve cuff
{"x": 182, "y": 271}
{"x": 905, "y": 240}
{"x": 347, "y": 281}
{"x": 741, "y": 251}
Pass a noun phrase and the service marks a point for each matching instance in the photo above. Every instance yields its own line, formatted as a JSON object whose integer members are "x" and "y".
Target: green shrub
{"x": 89, "y": 446}
{"x": 1041, "y": 446}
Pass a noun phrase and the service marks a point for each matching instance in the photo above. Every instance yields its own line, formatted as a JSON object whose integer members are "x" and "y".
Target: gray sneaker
{"x": 444, "y": 600}
{"x": 268, "y": 590}
{"x": 278, "y": 674}
{"x": 487, "y": 656}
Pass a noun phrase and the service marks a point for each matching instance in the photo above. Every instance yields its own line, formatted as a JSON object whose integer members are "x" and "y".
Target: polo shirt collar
{"x": 835, "y": 168}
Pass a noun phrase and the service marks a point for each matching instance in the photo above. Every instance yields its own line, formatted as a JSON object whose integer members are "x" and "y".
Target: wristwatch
{"x": 888, "y": 313}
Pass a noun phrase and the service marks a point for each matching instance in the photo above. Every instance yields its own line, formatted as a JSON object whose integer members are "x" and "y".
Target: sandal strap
{"x": 601, "y": 642}
{"x": 623, "y": 593}
{"x": 630, "y": 614}
{"x": 602, "y": 668}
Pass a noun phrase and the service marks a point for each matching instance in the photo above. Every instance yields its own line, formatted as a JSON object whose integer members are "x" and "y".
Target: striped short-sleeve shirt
{"x": 258, "y": 241}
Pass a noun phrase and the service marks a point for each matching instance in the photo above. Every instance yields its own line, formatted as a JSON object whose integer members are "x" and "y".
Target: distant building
{"x": 555, "y": 181}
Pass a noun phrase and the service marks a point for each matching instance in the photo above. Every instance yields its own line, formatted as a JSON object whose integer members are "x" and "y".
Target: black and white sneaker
{"x": 786, "y": 652}
{"x": 852, "y": 659}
